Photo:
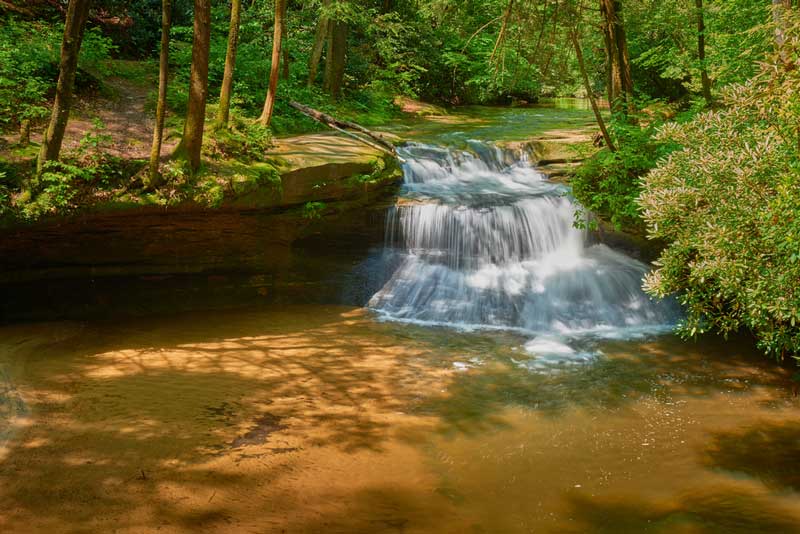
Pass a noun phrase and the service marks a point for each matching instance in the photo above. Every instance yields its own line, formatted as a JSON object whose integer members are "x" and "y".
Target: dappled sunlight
{"x": 321, "y": 149}
{"x": 181, "y": 428}
{"x": 319, "y": 418}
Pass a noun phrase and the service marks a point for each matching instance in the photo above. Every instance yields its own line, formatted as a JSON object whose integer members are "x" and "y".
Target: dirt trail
{"x": 125, "y": 118}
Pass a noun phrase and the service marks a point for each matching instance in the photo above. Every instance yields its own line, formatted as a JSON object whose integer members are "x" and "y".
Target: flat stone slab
{"x": 314, "y": 150}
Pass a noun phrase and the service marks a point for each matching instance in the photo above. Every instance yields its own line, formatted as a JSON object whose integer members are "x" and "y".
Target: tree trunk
{"x": 611, "y": 91}
{"x": 24, "y": 132}
{"x": 335, "y": 59}
{"x": 284, "y": 46}
{"x": 589, "y": 94}
{"x": 501, "y": 36}
{"x": 269, "y": 102}
{"x": 319, "y": 43}
{"x": 223, "y": 112}
{"x": 621, "y": 84}
{"x": 77, "y": 13}
{"x": 192, "y": 143}
{"x": 338, "y": 124}
{"x": 154, "y": 176}
{"x": 701, "y": 52}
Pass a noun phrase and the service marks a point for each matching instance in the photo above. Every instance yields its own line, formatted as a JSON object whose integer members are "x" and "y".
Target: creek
{"x": 503, "y": 373}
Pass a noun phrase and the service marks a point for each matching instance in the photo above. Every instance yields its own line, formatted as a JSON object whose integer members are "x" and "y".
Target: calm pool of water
{"x": 324, "y": 419}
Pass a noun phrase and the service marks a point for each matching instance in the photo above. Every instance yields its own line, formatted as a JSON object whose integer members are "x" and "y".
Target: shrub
{"x": 29, "y": 56}
{"x": 5, "y": 198}
{"x": 56, "y": 190}
{"x": 728, "y": 204}
{"x": 243, "y": 139}
{"x": 313, "y": 210}
{"x": 609, "y": 183}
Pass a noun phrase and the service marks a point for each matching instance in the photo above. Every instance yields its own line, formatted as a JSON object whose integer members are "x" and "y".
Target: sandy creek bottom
{"x": 321, "y": 419}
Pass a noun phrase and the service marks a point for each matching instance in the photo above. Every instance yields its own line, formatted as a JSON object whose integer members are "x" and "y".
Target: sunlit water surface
{"x": 321, "y": 419}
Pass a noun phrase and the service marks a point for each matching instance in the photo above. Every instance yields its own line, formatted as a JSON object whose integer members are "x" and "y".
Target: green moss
{"x": 313, "y": 210}
{"x": 384, "y": 169}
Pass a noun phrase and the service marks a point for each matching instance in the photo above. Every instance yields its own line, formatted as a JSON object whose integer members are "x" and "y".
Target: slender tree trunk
{"x": 269, "y": 102}
{"x": 154, "y": 176}
{"x": 335, "y": 59}
{"x": 543, "y": 27}
{"x": 25, "y": 132}
{"x": 621, "y": 82}
{"x": 284, "y": 46}
{"x": 625, "y": 60}
{"x": 77, "y": 13}
{"x": 328, "y": 74}
{"x": 612, "y": 91}
{"x": 701, "y": 52}
{"x": 223, "y": 112}
{"x": 589, "y": 94}
{"x": 501, "y": 36}
{"x": 545, "y": 70}
{"x": 192, "y": 143}
{"x": 319, "y": 43}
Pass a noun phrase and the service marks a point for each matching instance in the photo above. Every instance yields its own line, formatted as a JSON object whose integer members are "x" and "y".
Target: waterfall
{"x": 483, "y": 240}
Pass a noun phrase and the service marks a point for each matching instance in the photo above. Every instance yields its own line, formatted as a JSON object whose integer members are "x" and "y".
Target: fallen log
{"x": 380, "y": 142}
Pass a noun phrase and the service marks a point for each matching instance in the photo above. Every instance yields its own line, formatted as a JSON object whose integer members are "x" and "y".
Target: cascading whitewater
{"x": 483, "y": 240}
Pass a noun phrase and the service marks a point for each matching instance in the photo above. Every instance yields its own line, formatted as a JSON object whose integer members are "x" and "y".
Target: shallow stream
{"x": 508, "y": 376}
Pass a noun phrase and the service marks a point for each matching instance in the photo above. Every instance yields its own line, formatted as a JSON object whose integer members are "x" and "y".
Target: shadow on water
{"x": 146, "y": 421}
{"x": 112, "y": 451}
{"x": 660, "y": 369}
{"x": 768, "y": 451}
{"x": 159, "y": 422}
{"x": 714, "y": 511}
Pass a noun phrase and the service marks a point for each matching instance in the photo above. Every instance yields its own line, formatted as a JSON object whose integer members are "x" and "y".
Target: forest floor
{"x": 118, "y": 116}
{"x": 124, "y": 118}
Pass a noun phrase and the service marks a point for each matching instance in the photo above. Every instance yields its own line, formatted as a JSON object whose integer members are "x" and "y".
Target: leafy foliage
{"x": 243, "y": 139}
{"x": 29, "y": 56}
{"x": 609, "y": 184}
{"x": 728, "y": 205}
{"x": 662, "y": 39}
{"x": 5, "y": 198}
{"x": 313, "y": 210}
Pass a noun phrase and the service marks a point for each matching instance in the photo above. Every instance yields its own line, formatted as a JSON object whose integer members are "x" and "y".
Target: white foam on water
{"x": 548, "y": 345}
